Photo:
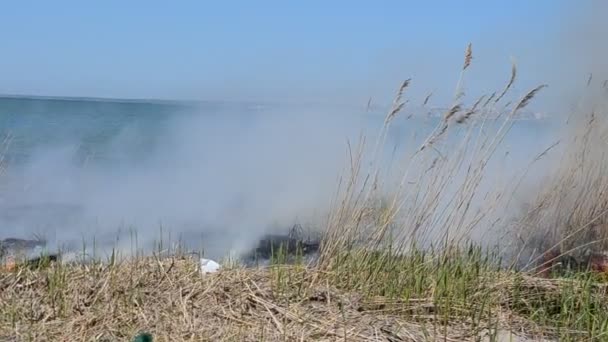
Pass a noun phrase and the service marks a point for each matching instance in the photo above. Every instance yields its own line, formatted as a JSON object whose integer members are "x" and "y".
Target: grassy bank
{"x": 464, "y": 296}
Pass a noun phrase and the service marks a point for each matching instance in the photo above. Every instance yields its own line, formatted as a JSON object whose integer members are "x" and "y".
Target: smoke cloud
{"x": 220, "y": 178}
{"x": 217, "y": 180}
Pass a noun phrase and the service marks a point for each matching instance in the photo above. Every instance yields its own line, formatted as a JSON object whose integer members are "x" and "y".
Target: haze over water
{"x": 212, "y": 175}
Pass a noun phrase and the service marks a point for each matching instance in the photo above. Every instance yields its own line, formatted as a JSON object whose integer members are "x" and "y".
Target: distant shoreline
{"x": 102, "y": 99}
{"x": 430, "y": 112}
{"x": 155, "y": 101}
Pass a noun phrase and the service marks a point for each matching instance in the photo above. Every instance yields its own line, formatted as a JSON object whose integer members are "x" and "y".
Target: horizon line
{"x": 151, "y": 100}
{"x": 112, "y": 99}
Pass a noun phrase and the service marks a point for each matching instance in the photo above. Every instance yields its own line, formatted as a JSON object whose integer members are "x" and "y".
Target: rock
{"x": 209, "y": 266}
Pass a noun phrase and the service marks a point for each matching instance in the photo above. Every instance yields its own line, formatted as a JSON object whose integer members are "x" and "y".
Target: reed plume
{"x": 511, "y": 81}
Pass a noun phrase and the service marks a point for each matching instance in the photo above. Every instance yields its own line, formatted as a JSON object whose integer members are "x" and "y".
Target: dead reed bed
{"x": 457, "y": 299}
{"x": 174, "y": 302}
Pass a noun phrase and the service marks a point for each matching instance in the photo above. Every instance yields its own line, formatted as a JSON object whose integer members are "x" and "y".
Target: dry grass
{"x": 449, "y": 299}
{"x": 174, "y": 302}
{"x": 439, "y": 201}
{"x": 570, "y": 212}
{"x": 438, "y": 198}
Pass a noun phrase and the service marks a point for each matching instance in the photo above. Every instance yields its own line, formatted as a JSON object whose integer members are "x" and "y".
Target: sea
{"x": 213, "y": 176}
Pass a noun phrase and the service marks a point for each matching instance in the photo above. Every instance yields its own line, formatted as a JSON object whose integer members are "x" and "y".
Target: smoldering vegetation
{"x": 227, "y": 181}
{"x": 212, "y": 179}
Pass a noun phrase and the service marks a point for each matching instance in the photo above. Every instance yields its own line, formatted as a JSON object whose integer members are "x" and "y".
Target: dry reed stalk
{"x": 369, "y": 105}
{"x": 404, "y": 85}
{"x": 426, "y": 99}
{"x": 468, "y": 56}
{"x": 529, "y": 96}
{"x": 362, "y": 195}
{"x": 511, "y": 81}
{"x": 397, "y": 102}
{"x": 571, "y": 210}
{"x": 463, "y": 118}
{"x": 455, "y": 109}
{"x": 394, "y": 111}
{"x": 489, "y": 99}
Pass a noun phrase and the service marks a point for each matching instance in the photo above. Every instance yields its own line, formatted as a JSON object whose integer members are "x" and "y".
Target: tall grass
{"x": 409, "y": 238}
{"x": 437, "y": 199}
{"x": 570, "y": 212}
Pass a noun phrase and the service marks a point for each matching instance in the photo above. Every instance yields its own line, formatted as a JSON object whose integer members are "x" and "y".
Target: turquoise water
{"x": 92, "y": 125}
{"x": 215, "y": 174}
{"x": 89, "y": 125}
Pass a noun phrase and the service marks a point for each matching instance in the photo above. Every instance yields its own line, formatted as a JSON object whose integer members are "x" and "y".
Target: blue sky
{"x": 319, "y": 51}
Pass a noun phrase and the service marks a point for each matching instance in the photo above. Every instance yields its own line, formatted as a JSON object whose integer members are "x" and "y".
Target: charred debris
{"x": 288, "y": 247}
{"x": 295, "y": 244}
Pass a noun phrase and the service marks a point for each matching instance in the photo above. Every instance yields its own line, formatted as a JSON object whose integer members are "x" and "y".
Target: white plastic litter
{"x": 209, "y": 266}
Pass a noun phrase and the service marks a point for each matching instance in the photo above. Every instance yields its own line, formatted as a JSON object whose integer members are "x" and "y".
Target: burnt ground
{"x": 290, "y": 246}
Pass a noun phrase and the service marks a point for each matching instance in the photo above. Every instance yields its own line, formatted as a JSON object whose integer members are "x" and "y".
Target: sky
{"x": 308, "y": 51}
